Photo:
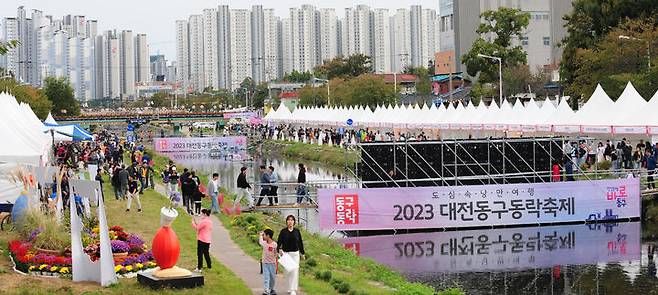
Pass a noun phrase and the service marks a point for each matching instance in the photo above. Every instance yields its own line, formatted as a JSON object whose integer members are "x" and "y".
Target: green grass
{"x": 328, "y": 155}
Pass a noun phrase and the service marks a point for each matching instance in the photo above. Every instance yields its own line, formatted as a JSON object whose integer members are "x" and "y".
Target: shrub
{"x": 342, "y": 287}
{"x": 311, "y": 262}
{"x": 326, "y": 276}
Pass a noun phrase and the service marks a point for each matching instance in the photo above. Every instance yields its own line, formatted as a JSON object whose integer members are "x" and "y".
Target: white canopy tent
{"x": 595, "y": 117}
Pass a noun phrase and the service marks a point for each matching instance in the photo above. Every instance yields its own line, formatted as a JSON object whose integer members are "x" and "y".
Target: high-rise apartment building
{"x": 460, "y": 19}
{"x": 272, "y": 50}
{"x": 182, "y": 55}
{"x": 142, "y": 62}
{"x": 328, "y": 34}
{"x": 381, "y": 42}
{"x": 97, "y": 66}
{"x": 127, "y": 64}
{"x": 241, "y": 58}
{"x": 196, "y": 50}
{"x": 257, "y": 44}
{"x": 158, "y": 65}
{"x": 358, "y": 30}
{"x": 210, "y": 49}
{"x": 401, "y": 39}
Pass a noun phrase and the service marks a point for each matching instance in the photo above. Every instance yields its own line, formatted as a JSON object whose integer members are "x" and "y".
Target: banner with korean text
{"x": 483, "y": 205}
{"x": 233, "y": 147}
{"x": 516, "y": 248}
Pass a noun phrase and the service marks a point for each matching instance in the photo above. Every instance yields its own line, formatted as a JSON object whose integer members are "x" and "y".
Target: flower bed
{"x": 131, "y": 254}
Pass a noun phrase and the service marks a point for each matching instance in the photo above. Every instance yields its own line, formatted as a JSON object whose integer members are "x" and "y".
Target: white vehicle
{"x": 203, "y": 125}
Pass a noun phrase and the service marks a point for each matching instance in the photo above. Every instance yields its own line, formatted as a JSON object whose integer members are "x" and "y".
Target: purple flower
{"x": 34, "y": 234}
{"x": 119, "y": 246}
{"x": 135, "y": 240}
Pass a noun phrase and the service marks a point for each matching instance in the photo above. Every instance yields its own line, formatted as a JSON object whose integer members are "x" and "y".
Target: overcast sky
{"x": 156, "y": 17}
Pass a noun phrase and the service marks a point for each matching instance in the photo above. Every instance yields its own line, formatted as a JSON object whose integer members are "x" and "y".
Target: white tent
{"x": 595, "y": 115}
{"x": 28, "y": 145}
{"x": 629, "y": 122}
{"x": 50, "y": 120}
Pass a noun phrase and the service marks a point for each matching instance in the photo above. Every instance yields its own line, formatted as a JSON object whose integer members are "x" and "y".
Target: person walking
{"x": 99, "y": 178}
{"x": 556, "y": 177}
{"x": 116, "y": 184}
{"x": 204, "y": 239}
{"x": 173, "y": 179}
{"x": 212, "y": 189}
{"x": 133, "y": 191}
{"x": 301, "y": 184}
{"x": 290, "y": 243}
{"x": 197, "y": 196}
{"x": 185, "y": 184}
{"x": 264, "y": 185}
{"x": 268, "y": 260}
{"x": 274, "y": 178}
{"x": 124, "y": 176}
{"x": 650, "y": 162}
{"x": 243, "y": 189}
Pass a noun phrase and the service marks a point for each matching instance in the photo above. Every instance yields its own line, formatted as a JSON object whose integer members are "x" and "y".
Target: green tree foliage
{"x": 424, "y": 85}
{"x": 613, "y": 62}
{"x": 504, "y": 24}
{"x": 367, "y": 89}
{"x": 28, "y": 94}
{"x": 297, "y": 77}
{"x": 60, "y": 93}
{"x": 344, "y": 68}
{"x": 160, "y": 99}
{"x": 5, "y": 46}
{"x": 517, "y": 79}
{"x": 259, "y": 95}
{"x": 589, "y": 22}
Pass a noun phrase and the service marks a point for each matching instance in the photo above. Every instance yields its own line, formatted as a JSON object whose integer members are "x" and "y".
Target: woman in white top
{"x": 600, "y": 152}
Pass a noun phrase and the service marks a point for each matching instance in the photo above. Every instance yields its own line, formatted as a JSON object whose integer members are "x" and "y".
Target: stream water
{"x": 567, "y": 259}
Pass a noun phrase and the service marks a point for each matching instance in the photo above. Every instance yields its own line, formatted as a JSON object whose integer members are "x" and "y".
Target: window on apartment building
{"x": 524, "y": 41}
{"x": 547, "y": 41}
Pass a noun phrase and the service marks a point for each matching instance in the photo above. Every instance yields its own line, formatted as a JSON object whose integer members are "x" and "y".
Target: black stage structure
{"x": 457, "y": 162}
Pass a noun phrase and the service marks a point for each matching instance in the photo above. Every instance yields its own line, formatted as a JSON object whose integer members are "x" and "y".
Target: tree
{"x": 370, "y": 90}
{"x": 613, "y": 62}
{"x": 25, "y": 93}
{"x": 159, "y": 99}
{"x": 504, "y": 25}
{"x": 344, "y": 68}
{"x": 297, "y": 77}
{"x": 60, "y": 93}
{"x": 5, "y": 46}
{"x": 261, "y": 93}
{"x": 589, "y": 22}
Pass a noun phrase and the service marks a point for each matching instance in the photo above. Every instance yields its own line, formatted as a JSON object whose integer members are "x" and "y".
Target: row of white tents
{"x": 629, "y": 114}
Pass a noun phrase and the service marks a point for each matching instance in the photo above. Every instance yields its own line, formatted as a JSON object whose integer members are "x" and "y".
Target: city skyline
{"x": 159, "y": 25}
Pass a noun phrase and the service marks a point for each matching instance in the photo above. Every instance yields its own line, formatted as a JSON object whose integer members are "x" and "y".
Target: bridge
{"x": 123, "y": 118}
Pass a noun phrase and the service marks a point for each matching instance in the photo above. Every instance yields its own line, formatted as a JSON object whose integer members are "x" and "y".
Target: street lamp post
{"x": 328, "y": 92}
{"x": 500, "y": 74}
{"x": 623, "y": 37}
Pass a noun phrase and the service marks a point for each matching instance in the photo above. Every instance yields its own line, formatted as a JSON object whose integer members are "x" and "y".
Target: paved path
{"x": 229, "y": 254}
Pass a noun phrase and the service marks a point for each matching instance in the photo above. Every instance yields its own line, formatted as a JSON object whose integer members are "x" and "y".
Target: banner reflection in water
{"x": 502, "y": 249}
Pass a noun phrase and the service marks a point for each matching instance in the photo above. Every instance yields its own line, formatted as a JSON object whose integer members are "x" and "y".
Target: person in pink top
{"x": 203, "y": 236}
{"x": 269, "y": 261}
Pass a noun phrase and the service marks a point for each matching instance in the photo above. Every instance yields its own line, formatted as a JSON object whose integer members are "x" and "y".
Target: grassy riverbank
{"x": 219, "y": 280}
{"x": 330, "y": 155}
{"x": 329, "y": 268}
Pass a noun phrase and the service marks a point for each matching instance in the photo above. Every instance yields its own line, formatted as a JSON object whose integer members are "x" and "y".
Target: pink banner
{"x": 629, "y": 129}
{"x": 483, "y": 205}
{"x": 596, "y": 129}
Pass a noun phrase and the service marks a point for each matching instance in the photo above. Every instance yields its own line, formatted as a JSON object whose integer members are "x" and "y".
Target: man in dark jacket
{"x": 123, "y": 182}
{"x": 243, "y": 189}
{"x": 185, "y": 185}
{"x": 650, "y": 161}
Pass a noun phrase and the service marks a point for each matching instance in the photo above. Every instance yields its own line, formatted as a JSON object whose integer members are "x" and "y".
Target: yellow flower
{"x": 118, "y": 268}
{"x": 139, "y": 266}
{"x": 64, "y": 270}
{"x": 95, "y": 230}
{"x": 54, "y": 268}
{"x": 42, "y": 267}
{"x": 32, "y": 267}
{"x": 129, "y": 268}
{"x": 151, "y": 264}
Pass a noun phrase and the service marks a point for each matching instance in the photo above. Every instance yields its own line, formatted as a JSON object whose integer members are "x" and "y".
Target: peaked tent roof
{"x": 50, "y": 121}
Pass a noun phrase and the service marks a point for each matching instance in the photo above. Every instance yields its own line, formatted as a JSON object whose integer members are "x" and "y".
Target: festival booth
{"x": 510, "y": 120}
{"x": 69, "y": 132}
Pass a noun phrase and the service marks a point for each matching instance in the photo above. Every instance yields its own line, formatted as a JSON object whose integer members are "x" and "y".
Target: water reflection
{"x": 570, "y": 259}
